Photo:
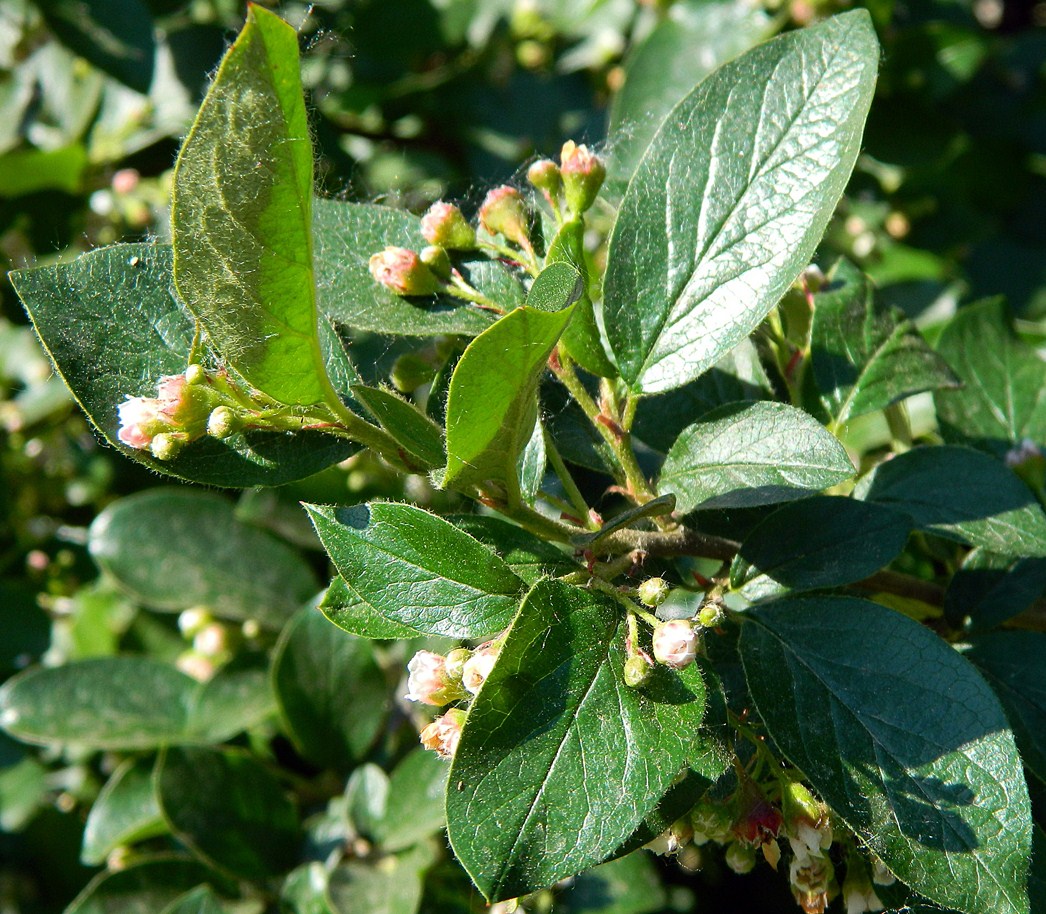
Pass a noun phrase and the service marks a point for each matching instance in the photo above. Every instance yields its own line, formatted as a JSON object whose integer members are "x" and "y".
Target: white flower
{"x": 675, "y": 643}
{"x": 477, "y": 668}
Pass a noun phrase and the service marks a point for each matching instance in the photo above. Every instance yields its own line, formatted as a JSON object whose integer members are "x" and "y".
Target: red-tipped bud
{"x": 583, "y": 175}
{"x": 505, "y": 213}
{"x": 403, "y": 272}
{"x": 675, "y": 643}
{"x": 429, "y": 682}
{"x": 443, "y": 734}
{"x": 758, "y": 821}
{"x": 445, "y": 225}
{"x": 544, "y": 174}
{"x": 140, "y": 421}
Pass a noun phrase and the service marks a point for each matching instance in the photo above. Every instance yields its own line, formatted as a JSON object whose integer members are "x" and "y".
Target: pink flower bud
{"x": 504, "y": 212}
{"x": 675, "y": 643}
{"x": 758, "y": 821}
{"x": 402, "y": 271}
{"x": 125, "y": 180}
{"x": 477, "y": 668}
{"x": 445, "y": 226}
{"x": 443, "y": 734}
{"x": 583, "y": 175}
{"x": 428, "y": 681}
{"x": 139, "y": 421}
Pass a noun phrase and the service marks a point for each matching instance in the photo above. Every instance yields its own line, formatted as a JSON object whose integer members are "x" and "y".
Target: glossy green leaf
{"x": 902, "y": 738}
{"x": 988, "y": 589}
{"x": 103, "y": 703}
{"x": 366, "y": 795}
{"x": 818, "y": 542}
{"x": 863, "y": 356}
{"x": 342, "y": 605}
{"x": 732, "y": 197}
{"x": 200, "y": 900}
{"x": 737, "y": 376}
{"x": 1003, "y": 397}
{"x": 331, "y": 692}
{"x": 1012, "y": 662}
{"x": 582, "y": 339}
{"x": 420, "y": 437}
{"x": 419, "y": 570}
{"x": 228, "y": 809}
{"x": 531, "y": 464}
{"x": 629, "y": 885}
{"x": 114, "y": 35}
{"x": 684, "y": 47}
{"x": 174, "y": 549}
{"x": 142, "y": 888}
{"x": 127, "y": 703}
{"x": 391, "y": 885}
{"x": 530, "y": 557}
{"x": 747, "y": 454}
{"x": 304, "y": 891}
{"x": 414, "y": 809}
{"x": 126, "y": 811}
{"x": 570, "y": 757}
{"x": 241, "y": 217}
{"x": 347, "y": 234}
{"x": 113, "y": 327}
{"x": 492, "y": 403}
{"x": 963, "y": 495}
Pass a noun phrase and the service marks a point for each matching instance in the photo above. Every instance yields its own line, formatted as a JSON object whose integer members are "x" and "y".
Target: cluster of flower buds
{"x": 438, "y": 680}
{"x": 186, "y": 407}
{"x": 578, "y": 178}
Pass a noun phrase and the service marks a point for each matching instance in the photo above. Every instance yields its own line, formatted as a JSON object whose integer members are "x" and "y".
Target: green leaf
{"x": 961, "y": 494}
{"x": 684, "y": 47}
{"x": 127, "y": 703}
{"x": 492, "y": 403}
{"x": 142, "y": 888}
{"x": 1003, "y": 397}
{"x": 345, "y": 237}
{"x": 865, "y": 357}
{"x": 113, "y": 327}
{"x": 419, "y": 570}
{"x": 174, "y": 549}
{"x": 27, "y": 171}
{"x": 304, "y": 891}
{"x": 414, "y": 809}
{"x": 988, "y": 589}
{"x": 656, "y": 507}
{"x": 569, "y": 757}
{"x": 1011, "y": 661}
{"x": 530, "y": 557}
{"x": 418, "y": 435}
{"x": 557, "y": 286}
{"x": 125, "y": 812}
{"x": 200, "y": 900}
{"x": 225, "y": 807}
{"x": 746, "y": 454}
{"x": 105, "y": 703}
{"x": 114, "y": 35}
{"x": 732, "y": 197}
{"x": 343, "y": 606}
{"x": 582, "y": 339}
{"x": 330, "y": 690}
{"x": 902, "y": 738}
{"x": 842, "y": 541}
{"x": 365, "y": 798}
{"x": 391, "y": 885}
{"x": 241, "y": 217}
{"x": 531, "y": 463}
{"x": 628, "y": 885}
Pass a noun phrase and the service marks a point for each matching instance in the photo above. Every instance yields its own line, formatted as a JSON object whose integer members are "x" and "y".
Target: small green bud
{"x": 505, "y": 213}
{"x": 166, "y": 446}
{"x": 435, "y": 257}
{"x": 653, "y": 592}
{"x": 195, "y": 374}
{"x": 583, "y": 175}
{"x": 445, "y": 225}
{"x": 637, "y": 670}
{"x": 455, "y": 664}
{"x": 712, "y": 615}
{"x": 402, "y": 271}
{"x": 544, "y": 174}
{"x": 223, "y": 423}
{"x": 410, "y": 371}
{"x": 740, "y": 858}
